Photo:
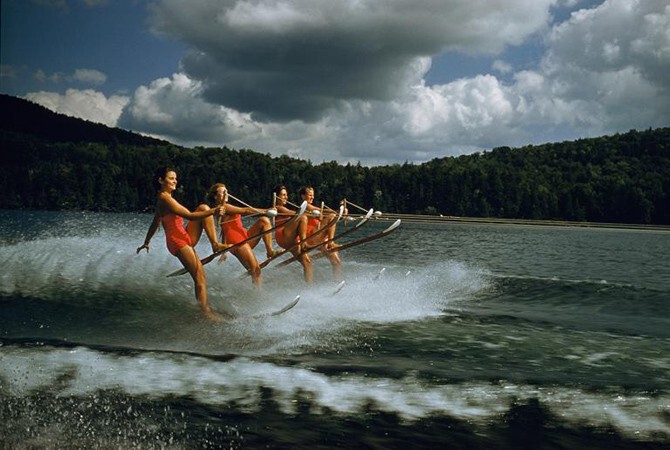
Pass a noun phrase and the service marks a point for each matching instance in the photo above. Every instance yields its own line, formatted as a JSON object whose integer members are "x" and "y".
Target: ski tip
{"x": 364, "y": 219}
{"x": 393, "y": 226}
{"x": 287, "y": 307}
{"x": 339, "y": 287}
{"x": 291, "y": 304}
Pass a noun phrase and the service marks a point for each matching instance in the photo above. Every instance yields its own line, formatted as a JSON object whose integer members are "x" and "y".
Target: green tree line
{"x": 621, "y": 178}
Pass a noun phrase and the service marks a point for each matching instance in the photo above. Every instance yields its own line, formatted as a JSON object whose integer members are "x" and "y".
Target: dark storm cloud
{"x": 283, "y": 60}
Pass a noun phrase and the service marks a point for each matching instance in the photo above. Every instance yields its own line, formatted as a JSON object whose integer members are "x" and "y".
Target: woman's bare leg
{"x": 336, "y": 263}
{"x": 261, "y": 225}
{"x": 189, "y": 258}
{"x": 246, "y": 256}
{"x": 307, "y": 271}
{"x": 290, "y": 233}
{"x": 196, "y": 227}
{"x": 306, "y": 262}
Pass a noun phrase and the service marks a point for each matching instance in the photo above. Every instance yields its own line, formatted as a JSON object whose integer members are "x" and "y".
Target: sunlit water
{"x": 444, "y": 335}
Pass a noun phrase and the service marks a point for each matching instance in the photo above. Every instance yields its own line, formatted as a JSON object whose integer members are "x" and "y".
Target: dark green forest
{"x": 51, "y": 161}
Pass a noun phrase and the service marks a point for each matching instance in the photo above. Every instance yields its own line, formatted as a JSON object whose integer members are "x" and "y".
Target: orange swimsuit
{"x": 176, "y": 236}
{"x": 233, "y": 230}
{"x": 279, "y": 232}
{"x": 312, "y": 225}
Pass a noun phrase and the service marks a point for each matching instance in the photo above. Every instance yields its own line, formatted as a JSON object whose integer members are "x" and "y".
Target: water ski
{"x": 338, "y": 288}
{"x": 287, "y": 307}
{"x": 211, "y": 257}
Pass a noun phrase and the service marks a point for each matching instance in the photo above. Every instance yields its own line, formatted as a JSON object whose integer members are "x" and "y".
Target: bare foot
{"x": 212, "y": 316}
{"x": 216, "y": 317}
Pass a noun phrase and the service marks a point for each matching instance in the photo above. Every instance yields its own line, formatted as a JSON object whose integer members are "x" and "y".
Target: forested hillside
{"x": 50, "y": 161}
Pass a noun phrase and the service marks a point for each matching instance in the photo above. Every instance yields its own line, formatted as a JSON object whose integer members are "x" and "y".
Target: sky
{"x": 375, "y": 82}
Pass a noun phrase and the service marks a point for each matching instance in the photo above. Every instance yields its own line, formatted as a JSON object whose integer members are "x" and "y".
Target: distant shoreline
{"x": 418, "y": 218}
{"x": 424, "y": 218}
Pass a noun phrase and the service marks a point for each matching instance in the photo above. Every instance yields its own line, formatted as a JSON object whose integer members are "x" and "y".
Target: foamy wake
{"x": 239, "y": 382}
{"x": 47, "y": 268}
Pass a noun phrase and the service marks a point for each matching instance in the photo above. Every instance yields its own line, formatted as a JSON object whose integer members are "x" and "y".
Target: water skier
{"x": 233, "y": 231}
{"x": 181, "y": 241}
{"x": 324, "y": 240}
{"x": 294, "y": 232}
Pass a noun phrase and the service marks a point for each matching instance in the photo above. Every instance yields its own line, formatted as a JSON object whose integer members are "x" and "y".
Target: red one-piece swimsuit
{"x": 176, "y": 236}
{"x": 233, "y": 230}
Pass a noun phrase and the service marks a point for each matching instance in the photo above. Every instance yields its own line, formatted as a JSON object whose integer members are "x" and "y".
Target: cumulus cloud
{"x": 607, "y": 68}
{"x": 347, "y": 83}
{"x": 173, "y": 108}
{"x": 284, "y": 60}
{"x": 605, "y": 71}
{"x": 502, "y": 66}
{"x": 83, "y": 76}
{"x": 42, "y": 77}
{"x": 464, "y": 115}
{"x": 86, "y": 104}
{"x": 345, "y": 80}
{"x": 90, "y": 76}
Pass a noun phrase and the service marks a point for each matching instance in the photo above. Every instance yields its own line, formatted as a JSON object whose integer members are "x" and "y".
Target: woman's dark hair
{"x": 303, "y": 190}
{"x": 210, "y": 197}
{"x": 161, "y": 172}
{"x": 278, "y": 188}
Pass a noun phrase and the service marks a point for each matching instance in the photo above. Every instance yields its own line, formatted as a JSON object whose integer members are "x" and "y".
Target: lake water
{"x": 449, "y": 335}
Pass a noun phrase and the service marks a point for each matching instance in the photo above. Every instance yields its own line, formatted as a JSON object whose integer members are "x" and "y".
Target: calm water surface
{"x": 451, "y": 335}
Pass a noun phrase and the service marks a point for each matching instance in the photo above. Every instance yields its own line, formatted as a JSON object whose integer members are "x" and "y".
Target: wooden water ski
{"x": 350, "y": 230}
{"x": 211, "y": 257}
{"x": 381, "y": 272}
{"x": 288, "y": 307}
{"x": 394, "y": 226}
{"x": 335, "y": 238}
{"x": 294, "y": 246}
{"x": 338, "y": 288}
{"x": 357, "y": 226}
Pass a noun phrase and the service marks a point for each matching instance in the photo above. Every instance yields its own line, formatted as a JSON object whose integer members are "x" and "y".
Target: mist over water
{"x": 104, "y": 278}
{"x": 478, "y": 325}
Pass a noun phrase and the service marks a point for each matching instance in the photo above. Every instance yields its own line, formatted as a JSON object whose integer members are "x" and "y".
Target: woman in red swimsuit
{"x": 324, "y": 239}
{"x": 181, "y": 241}
{"x": 233, "y": 231}
{"x": 296, "y": 231}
